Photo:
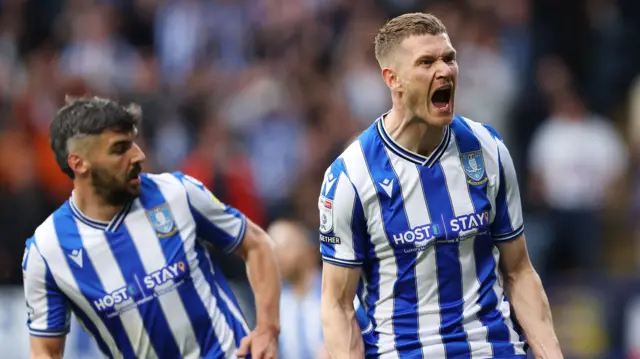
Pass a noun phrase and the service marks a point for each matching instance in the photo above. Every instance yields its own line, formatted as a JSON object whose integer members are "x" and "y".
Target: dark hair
{"x": 88, "y": 116}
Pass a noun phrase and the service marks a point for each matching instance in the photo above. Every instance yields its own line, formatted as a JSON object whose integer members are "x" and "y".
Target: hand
{"x": 261, "y": 343}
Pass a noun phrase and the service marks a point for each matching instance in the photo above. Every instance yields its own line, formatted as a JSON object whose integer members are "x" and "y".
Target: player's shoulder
{"x": 176, "y": 178}
{"x": 172, "y": 186}
{"x": 482, "y": 131}
{"x": 45, "y": 237}
{"x": 356, "y": 146}
{"x": 166, "y": 183}
{"x": 478, "y": 136}
{"x": 48, "y": 228}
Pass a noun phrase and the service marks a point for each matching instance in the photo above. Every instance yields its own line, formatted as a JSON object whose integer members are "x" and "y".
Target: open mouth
{"x": 441, "y": 98}
{"x": 135, "y": 173}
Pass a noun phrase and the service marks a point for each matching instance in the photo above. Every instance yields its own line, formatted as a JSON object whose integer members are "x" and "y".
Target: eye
{"x": 426, "y": 62}
{"x": 450, "y": 59}
{"x": 120, "y": 148}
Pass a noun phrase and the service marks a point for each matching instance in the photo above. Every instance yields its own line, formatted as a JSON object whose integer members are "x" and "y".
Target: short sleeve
{"x": 217, "y": 223}
{"x": 508, "y": 223}
{"x": 343, "y": 231}
{"x": 48, "y": 310}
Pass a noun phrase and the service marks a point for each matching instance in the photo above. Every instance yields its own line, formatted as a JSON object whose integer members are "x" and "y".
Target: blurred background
{"x": 257, "y": 97}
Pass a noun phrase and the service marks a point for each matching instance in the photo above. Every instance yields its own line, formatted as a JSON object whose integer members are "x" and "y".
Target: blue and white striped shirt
{"x": 424, "y": 232}
{"x": 143, "y": 284}
{"x": 301, "y": 333}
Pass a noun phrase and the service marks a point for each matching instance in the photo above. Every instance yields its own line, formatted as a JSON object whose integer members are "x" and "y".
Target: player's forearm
{"x": 45, "y": 356}
{"x": 526, "y": 294}
{"x": 264, "y": 277}
{"x": 342, "y": 336}
{"x": 46, "y": 348}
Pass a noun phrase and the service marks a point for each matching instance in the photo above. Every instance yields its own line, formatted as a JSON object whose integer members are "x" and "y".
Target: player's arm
{"x": 229, "y": 230}
{"x": 343, "y": 234}
{"x": 47, "y": 308}
{"x": 525, "y": 292}
{"x": 342, "y": 334}
{"x": 522, "y": 283}
{"x": 46, "y": 348}
{"x": 257, "y": 250}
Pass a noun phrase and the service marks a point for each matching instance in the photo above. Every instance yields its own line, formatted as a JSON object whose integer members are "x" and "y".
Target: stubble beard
{"x": 113, "y": 190}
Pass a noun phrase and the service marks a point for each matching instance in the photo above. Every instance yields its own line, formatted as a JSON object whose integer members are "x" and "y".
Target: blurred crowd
{"x": 257, "y": 97}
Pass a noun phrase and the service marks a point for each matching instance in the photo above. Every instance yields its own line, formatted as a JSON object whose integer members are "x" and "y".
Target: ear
{"x": 391, "y": 78}
{"x": 78, "y": 164}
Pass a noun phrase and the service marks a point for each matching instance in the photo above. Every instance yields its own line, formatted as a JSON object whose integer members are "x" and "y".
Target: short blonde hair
{"x": 401, "y": 27}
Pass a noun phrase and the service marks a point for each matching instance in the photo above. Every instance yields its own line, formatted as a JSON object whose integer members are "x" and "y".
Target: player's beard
{"x": 116, "y": 190}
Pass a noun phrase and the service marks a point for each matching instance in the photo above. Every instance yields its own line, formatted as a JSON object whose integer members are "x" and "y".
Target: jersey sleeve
{"x": 217, "y": 223}
{"x": 508, "y": 223}
{"x": 343, "y": 231}
{"x": 48, "y": 310}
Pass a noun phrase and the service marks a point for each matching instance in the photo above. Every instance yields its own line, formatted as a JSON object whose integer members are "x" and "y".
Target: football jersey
{"x": 301, "y": 333}
{"x": 424, "y": 232}
{"x": 143, "y": 285}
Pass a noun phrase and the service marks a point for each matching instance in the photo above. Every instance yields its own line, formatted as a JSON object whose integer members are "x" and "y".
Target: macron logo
{"x": 331, "y": 180}
{"x": 76, "y": 256}
{"x": 387, "y": 186}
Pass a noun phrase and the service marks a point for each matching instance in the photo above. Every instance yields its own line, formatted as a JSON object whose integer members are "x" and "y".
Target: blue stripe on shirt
{"x": 87, "y": 279}
{"x": 489, "y": 315}
{"x": 405, "y": 319}
{"x": 173, "y": 250}
{"x": 207, "y": 268}
{"x": 132, "y": 269}
{"x": 448, "y": 268}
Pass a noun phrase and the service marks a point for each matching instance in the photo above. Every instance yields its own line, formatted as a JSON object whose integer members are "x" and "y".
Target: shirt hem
{"x": 240, "y": 238}
{"x": 342, "y": 262}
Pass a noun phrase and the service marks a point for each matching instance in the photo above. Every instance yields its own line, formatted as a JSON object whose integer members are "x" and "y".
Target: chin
{"x": 136, "y": 191}
{"x": 438, "y": 119}
{"x": 444, "y": 119}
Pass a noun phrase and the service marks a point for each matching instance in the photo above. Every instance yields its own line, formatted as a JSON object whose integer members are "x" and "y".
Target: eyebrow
{"x": 447, "y": 53}
{"x": 120, "y": 142}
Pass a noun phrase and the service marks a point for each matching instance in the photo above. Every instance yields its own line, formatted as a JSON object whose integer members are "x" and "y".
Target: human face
{"x": 115, "y": 167}
{"x": 292, "y": 251}
{"x": 428, "y": 76}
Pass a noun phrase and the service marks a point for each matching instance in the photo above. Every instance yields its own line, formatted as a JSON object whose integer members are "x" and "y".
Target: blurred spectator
{"x": 222, "y": 167}
{"x": 33, "y": 110}
{"x": 301, "y": 328}
{"x": 366, "y": 95}
{"x": 634, "y": 139}
{"x": 487, "y": 84}
{"x": 97, "y": 54}
{"x": 515, "y": 37}
{"x": 23, "y": 205}
{"x": 575, "y": 160}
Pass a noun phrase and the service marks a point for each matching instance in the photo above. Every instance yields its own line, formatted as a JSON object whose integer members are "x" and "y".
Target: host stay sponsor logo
{"x": 149, "y": 282}
{"x": 458, "y": 229}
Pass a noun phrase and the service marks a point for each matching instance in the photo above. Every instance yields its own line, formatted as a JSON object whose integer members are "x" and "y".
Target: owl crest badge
{"x": 162, "y": 220}
{"x": 473, "y": 164}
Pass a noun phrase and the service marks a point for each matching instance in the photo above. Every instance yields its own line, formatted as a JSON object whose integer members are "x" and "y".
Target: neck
{"x": 303, "y": 281}
{"x": 412, "y": 133}
{"x": 92, "y": 205}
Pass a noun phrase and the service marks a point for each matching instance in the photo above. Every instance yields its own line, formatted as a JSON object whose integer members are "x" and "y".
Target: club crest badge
{"x": 326, "y": 215}
{"x": 473, "y": 165}
{"x": 162, "y": 220}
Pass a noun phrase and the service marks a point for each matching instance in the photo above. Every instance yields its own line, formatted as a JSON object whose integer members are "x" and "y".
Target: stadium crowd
{"x": 256, "y": 97}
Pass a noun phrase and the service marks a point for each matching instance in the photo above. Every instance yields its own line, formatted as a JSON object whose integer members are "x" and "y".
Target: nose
{"x": 138, "y": 154}
{"x": 444, "y": 70}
